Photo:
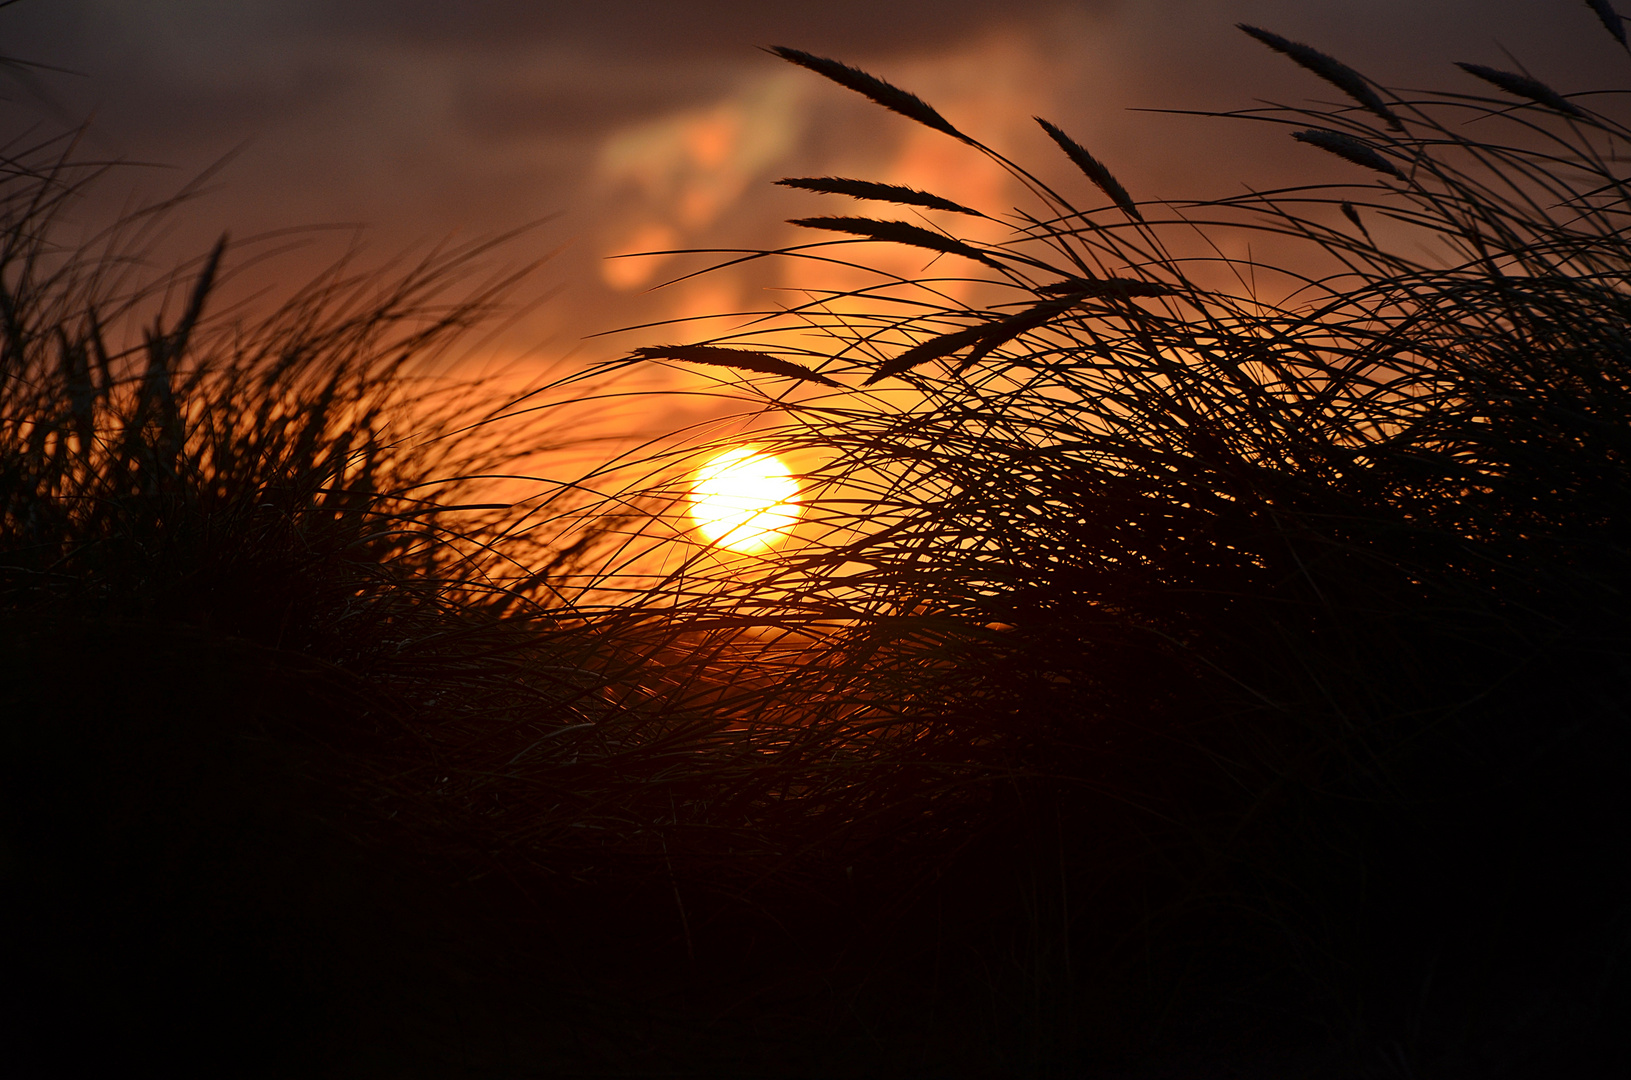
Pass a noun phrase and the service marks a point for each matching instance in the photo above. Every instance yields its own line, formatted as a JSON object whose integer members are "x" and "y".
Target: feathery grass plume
{"x": 741, "y": 359}
{"x": 1333, "y": 71}
{"x": 1092, "y": 168}
{"x": 868, "y": 189}
{"x": 990, "y": 336}
{"x": 898, "y": 232}
{"x": 1069, "y": 294}
{"x": 1523, "y": 86}
{"x": 889, "y": 96}
{"x": 1611, "y": 19}
{"x": 1348, "y": 148}
{"x": 932, "y": 349}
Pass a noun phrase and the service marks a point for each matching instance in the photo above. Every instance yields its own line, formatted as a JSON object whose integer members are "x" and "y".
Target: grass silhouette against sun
{"x": 1175, "y": 661}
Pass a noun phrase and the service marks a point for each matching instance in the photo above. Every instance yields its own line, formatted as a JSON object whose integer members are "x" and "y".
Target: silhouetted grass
{"x": 1183, "y": 665}
{"x": 1270, "y": 617}
{"x": 316, "y": 759}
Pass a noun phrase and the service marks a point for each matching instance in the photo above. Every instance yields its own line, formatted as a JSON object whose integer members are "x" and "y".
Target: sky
{"x": 623, "y": 126}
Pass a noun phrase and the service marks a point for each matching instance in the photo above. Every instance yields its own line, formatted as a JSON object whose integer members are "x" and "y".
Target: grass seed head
{"x": 899, "y": 232}
{"x": 1352, "y": 215}
{"x": 886, "y": 94}
{"x": 1612, "y": 22}
{"x": 740, "y": 359}
{"x": 1523, "y": 86}
{"x": 1333, "y": 71}
{"x": 1092, "y": 168}
{"x": 932, "y": 349}
{"x": 869, "y": 189}
{"x": 1349, "y": 149}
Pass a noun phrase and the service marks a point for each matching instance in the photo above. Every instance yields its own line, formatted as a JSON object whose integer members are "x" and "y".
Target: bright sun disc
{"x": 744, "y": 499}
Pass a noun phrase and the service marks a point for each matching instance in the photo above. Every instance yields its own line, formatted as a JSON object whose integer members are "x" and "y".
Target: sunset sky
{"x": 635, "y": 125}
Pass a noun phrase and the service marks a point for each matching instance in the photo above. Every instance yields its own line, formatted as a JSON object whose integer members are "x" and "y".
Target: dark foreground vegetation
{"x": 1196, "y": 673}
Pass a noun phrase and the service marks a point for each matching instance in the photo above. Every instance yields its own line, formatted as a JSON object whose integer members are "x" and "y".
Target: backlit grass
{"x": 1178, "y": 664}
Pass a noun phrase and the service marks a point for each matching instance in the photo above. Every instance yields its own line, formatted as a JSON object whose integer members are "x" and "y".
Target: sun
{"x": 744, "y": 499}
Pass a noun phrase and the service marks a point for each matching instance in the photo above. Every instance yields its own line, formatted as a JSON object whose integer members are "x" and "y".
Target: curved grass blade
{"x": 898, "y": 232}
{"x": 1333, "y": 71}
{"x": 868, "y": 189}
{"x": 1523, "y": 86}
{"x": 1349, "y": 149}
{"x": 1612, "y": 22}
{"x": 1093, "y": 168}
{"x": 886, "y": 94}
{"x": 740, "y": 359}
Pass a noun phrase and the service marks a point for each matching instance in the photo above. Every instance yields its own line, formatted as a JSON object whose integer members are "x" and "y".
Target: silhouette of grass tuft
{"x": 1273, "y": 616}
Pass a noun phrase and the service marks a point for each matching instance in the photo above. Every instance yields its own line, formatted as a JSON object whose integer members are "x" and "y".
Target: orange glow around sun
{"x": 744, "y": 499}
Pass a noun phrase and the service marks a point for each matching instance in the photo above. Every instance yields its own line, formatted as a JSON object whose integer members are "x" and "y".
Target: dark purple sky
{"x": 649, "y": 125}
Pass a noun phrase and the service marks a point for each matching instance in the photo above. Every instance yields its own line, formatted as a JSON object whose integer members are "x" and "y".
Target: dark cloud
{"x": 576, "y": 99}
{"x": 664, "y": 29}
{"x": 159, "y": 74}
{"x": 196, "y": 69}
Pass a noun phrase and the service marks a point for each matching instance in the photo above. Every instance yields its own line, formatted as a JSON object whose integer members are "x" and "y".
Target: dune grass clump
{"x": 317, "y": 758}
{"x": 298, "y": 728}
{"x": 1267, "y": 618}
{"x": 233, "y": 557}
